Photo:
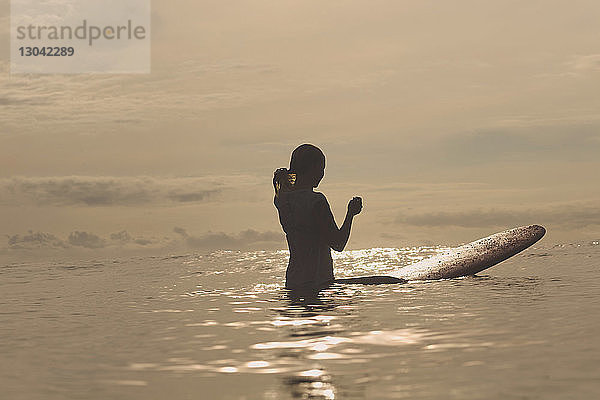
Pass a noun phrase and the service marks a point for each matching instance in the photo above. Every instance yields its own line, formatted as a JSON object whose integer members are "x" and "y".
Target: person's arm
{"x": 338, "y": 238}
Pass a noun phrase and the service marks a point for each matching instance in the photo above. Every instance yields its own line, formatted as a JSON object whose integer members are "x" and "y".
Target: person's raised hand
{"x": 355, "y": 206}
{"x": 279, "y": 175}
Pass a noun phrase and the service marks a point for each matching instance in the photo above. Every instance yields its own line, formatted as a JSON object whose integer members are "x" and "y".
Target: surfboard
{"x": 464, "y": 260}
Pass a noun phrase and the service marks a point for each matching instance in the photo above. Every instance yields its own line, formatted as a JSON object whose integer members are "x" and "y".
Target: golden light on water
{"x": 257, "y": 364}
{"x": 314, "y": 373}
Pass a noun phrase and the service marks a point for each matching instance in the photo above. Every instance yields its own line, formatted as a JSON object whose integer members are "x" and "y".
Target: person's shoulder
{"x": 319, "y": 196}
{"x": 320, "y": 200}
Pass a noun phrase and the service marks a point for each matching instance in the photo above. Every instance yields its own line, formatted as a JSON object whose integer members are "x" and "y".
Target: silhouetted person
{"x": 306, "y": 218}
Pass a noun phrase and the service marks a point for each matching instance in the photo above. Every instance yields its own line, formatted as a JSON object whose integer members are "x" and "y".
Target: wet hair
{"x": 306, "y": 158}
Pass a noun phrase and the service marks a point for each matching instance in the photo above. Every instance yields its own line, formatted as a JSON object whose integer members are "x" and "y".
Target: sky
{"x": 453, "y": 120}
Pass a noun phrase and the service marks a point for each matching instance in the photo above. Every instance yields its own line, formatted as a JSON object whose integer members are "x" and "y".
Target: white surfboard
{"x": 464, "y": 260}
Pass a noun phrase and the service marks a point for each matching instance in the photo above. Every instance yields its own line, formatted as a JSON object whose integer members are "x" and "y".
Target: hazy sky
{"x": 452, "y": 120}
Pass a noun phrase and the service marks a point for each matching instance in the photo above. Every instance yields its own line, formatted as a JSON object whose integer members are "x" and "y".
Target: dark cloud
{"x": 124, "y": 237}
{"x": 571, "y": 216}
{"x": 180, "y": 231}
{"x": 38, "y": 240}
{"x": 188, "y": 197}
{"x": 143, "y": 242}
{"x": 102, "y": 191}
{"x": 85, "y": 239}
{"x": 249, "y": 238}
{"x": 35, "y": 240}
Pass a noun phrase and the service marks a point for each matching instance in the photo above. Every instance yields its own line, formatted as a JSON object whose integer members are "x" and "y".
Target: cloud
{"x": 13, "y": 101}
{"x": 180, "y": 231}
{"x": 35, "y": 240}
{"x": 191, "y": 197}
{"x": 586, "y": 63}
{"x": 82, "y": 100}
{"x": 249, "y": 238}
{"x": 105, "y": 191}
{"x": 570, "y": 216}
{"x": 85, "y": 239}
{"x": 41, "y": 240}
{"x": 575, "y": 141}
{"x": 119, "y": 239}
{"x": 124, "y": 237}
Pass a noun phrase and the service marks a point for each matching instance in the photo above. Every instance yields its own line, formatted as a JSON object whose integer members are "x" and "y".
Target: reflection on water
{"x": 314, "y": 329}
{"x": 311, "y": 384}
{"x": 310, "y": 316}
{"x": 220, "y": 325}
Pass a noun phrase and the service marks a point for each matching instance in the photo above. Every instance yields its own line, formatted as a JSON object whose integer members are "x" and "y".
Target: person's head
{"x": 308, "y": 163}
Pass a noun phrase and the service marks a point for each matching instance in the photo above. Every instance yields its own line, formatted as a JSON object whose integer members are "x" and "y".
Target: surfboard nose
{"x": 539, "y": 230}
{"x": 534, "y": 232}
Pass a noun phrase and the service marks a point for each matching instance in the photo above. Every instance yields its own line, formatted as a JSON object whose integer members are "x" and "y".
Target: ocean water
{"x": 219, "y": 326}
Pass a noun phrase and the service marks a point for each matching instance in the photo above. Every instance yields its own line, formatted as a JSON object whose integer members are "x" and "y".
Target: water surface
{"x": 219, "y": 326}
